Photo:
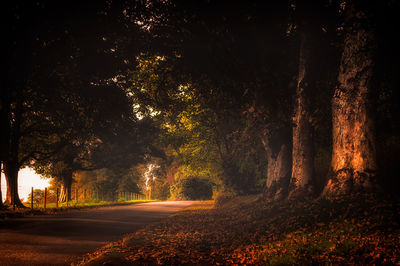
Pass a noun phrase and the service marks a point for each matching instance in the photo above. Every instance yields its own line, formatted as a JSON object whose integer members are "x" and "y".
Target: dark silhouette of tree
{"x": 53, "y": 71}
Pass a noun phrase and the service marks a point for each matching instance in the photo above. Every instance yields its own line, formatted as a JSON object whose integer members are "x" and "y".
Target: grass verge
{"x": 245, "y": 230}
{"x": 51, "y": 207}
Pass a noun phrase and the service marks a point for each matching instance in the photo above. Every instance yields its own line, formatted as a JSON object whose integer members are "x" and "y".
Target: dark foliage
{"x": 192, "y": 188}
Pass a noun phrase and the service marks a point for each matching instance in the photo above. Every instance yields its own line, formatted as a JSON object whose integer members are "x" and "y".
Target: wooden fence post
{"x": 45, "y": 197}
{"x": 32, "y": 198}
{"x": 57, "y": 195}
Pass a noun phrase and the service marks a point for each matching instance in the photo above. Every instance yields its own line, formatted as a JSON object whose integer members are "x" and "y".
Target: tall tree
{"x": 277, "y": 146}
{"x": 302, "y": 175}
{"x": 51, "y": 60}
{"x": 5, "y": 131}
{"x": 232, "y": 50}
{"x": 353, "y": 106}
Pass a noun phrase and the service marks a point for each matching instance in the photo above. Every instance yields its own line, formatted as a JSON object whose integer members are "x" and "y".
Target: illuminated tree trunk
{"x": 301, "y": 182}
{"x": 353, "y": 153}
{"x": 278, "y": 171}
{"x": 66, "y": 187}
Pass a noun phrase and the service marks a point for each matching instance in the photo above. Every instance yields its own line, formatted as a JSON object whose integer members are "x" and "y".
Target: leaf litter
{"x": 247, "y": 230}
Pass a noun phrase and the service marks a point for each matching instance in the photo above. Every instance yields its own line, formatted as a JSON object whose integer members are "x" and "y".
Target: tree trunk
{"x": 66, "y": 187}
{"x": 353, "y": 150}
{"x": 301, "y": 182}
{"x": 11, "y": 160}
{"x": 5, "y": 118}
{"x": 11, "y": 173}
{"x": 278, "y": 171}
{"x": 1, "y": 195}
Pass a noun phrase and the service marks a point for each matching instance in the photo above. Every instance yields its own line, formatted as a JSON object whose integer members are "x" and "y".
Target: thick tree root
{"x": 347, "y": 181}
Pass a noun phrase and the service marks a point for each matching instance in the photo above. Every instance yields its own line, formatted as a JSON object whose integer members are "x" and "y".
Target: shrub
{"x": 161, "y": 190}
{"x": 192, "y": 188}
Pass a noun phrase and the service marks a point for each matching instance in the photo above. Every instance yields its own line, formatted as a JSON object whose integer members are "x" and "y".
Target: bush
{"x": 192, "y": 188}
{"x": 161, "y": 190}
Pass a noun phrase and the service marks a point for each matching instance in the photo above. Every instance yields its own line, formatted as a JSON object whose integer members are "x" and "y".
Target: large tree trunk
{"x": 11, "y": 173}
{"x": 278, "y": 171}
{"x": 301, "y": 182}
{"x": 1, "y": 195}
{"x": 5, "y": 117}
{"x": 11, "y": 160}
{"x": 66, "y": 187}
{"x": 353, "y": 151}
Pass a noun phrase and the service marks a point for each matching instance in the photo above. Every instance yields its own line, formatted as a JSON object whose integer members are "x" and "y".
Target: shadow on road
{"x": 58, "y": 239}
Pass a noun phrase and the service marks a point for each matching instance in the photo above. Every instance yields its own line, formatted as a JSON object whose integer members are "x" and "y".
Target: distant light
{"x": 27, "y": 178}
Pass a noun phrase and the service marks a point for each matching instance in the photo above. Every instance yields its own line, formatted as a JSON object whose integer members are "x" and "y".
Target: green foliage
{"x": 192, "y": 188}
{"x": 129, "y": 180}
{"x": 203, "y": 123}
{"x": 38, "y": 196}
{"x": 109, "y": 181}
{"x": 160, "y": 190}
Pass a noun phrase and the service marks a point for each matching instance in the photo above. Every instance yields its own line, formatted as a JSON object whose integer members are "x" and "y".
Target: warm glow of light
{"x": 149, "y": 174}
{"x": 27, "y": 178}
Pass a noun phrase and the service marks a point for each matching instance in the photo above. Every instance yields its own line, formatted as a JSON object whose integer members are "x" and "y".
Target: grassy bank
{"x": 72, "y": 205}
{"x": 245, "y": 230}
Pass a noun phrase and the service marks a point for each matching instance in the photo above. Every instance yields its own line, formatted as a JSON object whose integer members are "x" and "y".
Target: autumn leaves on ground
{"x": 246, "y": 230}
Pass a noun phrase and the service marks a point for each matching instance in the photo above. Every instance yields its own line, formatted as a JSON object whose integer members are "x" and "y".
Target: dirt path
{"x": 59, "y": 239}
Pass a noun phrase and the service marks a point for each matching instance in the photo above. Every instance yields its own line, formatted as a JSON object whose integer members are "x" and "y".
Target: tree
{"x": 1, "y": 196}
{"x": 302, "y": 174}
{"x": 279, "y": 163}
{"x": 38, "y": 196}
{"x": 5, "y": 132}
{"x": 16, "y": 96}
{"x": 226, "y": 56}
{"x": 54, "y": 78}
{"x": 353, "y": 107}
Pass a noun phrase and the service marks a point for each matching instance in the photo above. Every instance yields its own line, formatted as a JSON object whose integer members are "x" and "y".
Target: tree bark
{"x": 11, "y": 160}
{"x": 66, "y": 187}
{"x": 301, "y": 182}
{"x": 1, "y": 195}
{"x": 11, "y": 173}
{"x": 278, "y": 171}
{"x": 353, "y": 120}
{"x": 5, "y": 130}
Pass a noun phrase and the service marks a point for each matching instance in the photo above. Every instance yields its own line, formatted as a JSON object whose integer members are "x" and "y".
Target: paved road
{"x": 59, "y": 239}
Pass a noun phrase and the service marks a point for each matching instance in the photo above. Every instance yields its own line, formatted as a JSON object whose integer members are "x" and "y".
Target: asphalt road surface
{"x": 59, "y": 239}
